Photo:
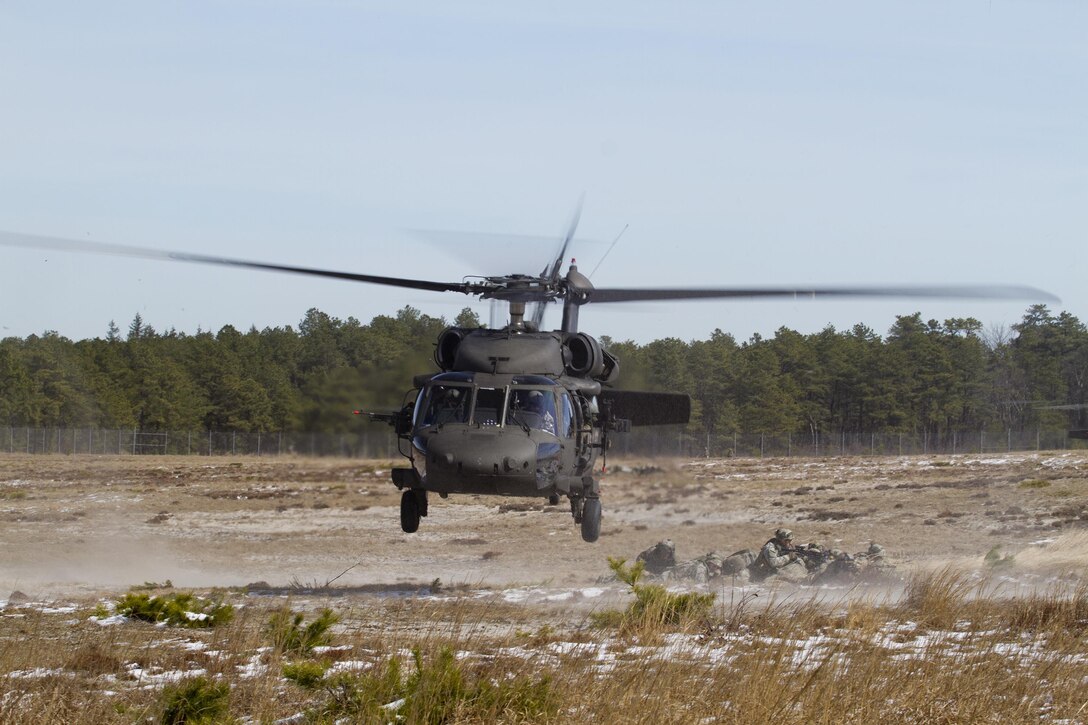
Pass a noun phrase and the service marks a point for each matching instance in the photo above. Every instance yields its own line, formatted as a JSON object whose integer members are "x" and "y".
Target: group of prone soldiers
{"x": 779, "y": 558}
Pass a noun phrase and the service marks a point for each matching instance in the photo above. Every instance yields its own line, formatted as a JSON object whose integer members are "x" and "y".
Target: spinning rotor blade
{"x": 552, "y": 273}
{"x": 12, "y": 239}
{"x": 997, "y": 292}
{"x": 548, "y": 287}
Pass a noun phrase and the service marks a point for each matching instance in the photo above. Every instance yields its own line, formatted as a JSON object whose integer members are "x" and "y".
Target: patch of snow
{"x": 350, "y": 666}
{"x": 109, "y": 621}
{"x": 151, "y": 677}
{"x": 298, "y": 717}
{"x": 527, "y": 654}
{"x": 253, "y": 668}
{"x": 66, "y": 609}
{"x": 566, "y": 648}
{"x": 515, "y": 596}
{"x": 38, "y": 673}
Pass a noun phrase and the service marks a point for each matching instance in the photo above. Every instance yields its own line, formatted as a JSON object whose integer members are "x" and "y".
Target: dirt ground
{"x": 71, "y": 524}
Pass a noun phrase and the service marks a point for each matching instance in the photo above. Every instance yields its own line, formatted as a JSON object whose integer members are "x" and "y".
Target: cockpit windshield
{"x": 530, "y": 403}
{"x": 447, "y": 404}
{"x": 532, "y": 408}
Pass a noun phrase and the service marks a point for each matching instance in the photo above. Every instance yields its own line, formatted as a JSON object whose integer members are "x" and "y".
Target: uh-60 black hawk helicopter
{"x": 520, "y": 411}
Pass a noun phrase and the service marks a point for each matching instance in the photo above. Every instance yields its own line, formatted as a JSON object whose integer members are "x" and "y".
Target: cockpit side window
{"x": 533, "y": 408}
{"x": 566, "y": 416}
{"x": 446, "y": 404}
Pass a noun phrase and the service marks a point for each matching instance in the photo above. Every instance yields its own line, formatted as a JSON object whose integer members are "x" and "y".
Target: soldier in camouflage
{"x": 776, "y": 558}
{"x": 659, "y": 557}
{"x": 875, "y": 566}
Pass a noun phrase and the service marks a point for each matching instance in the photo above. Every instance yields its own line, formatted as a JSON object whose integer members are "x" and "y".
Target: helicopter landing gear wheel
{"x": 553, "y": 500}
{"x": 591, "y": 520}
{"x": 410, "y": 510}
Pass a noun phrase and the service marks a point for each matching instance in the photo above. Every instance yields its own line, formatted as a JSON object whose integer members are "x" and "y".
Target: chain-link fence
{"x": 366, "y": 444}
{"x": 661, "y": 441}
{"x": 682, "y": 443}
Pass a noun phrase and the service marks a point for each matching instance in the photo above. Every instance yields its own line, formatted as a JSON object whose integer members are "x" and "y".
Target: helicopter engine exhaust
{"x": 587, "y": 359}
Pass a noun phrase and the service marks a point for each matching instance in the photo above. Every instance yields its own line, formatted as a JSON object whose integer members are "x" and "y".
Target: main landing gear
{"x": 413, "y": 505}
{"x": 587, "y": 512}
{"x": 586, "y": 509}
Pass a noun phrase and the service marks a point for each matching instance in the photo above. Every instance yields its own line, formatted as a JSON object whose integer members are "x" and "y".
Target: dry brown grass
{"x": 948, "y": 652}
{"x": 944, "y": 646}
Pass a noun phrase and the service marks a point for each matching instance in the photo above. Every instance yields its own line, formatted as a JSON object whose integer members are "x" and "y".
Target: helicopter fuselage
{"x": 502, "y": 434}
{"x": 514, "y": 412}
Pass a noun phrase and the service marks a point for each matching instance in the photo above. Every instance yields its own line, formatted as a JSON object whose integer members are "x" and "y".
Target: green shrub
{"x": 654, "y": 605}
{"x": 305, "y": 674}
{"x": 440, "y": 690}
{"x": 364, "y": 697}
{"x": 195, "y": 701}
{"x": 436, "y": 689}
{"x": 291, "y": 637}
{"x": 520, "y": 699}
{"x": 995, "y": 560}
{"x": 181, "y": 610}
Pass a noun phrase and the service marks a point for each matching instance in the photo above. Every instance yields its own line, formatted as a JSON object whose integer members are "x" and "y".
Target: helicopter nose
{"x": 477, "y": 454}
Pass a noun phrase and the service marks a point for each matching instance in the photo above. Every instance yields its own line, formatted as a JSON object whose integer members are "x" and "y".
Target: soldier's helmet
{"x": 783, "y": 534}
{"x": 836, "y": 553}
{"x": 875, "y": 551}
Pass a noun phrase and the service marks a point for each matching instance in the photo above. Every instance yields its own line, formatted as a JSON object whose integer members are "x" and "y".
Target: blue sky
{"x": 744, "y": 143}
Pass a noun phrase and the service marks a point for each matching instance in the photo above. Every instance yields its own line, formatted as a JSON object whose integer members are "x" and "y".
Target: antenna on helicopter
{"x": 607, "y": 251}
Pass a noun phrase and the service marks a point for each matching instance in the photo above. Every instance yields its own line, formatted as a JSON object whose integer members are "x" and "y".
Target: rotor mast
{"x": 577, "y": 289}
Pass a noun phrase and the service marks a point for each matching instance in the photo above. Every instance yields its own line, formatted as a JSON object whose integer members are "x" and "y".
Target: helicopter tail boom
{"x": 642, "y": 408}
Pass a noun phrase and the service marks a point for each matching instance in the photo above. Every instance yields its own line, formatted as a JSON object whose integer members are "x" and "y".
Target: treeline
{"x": 923, "y": 377}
